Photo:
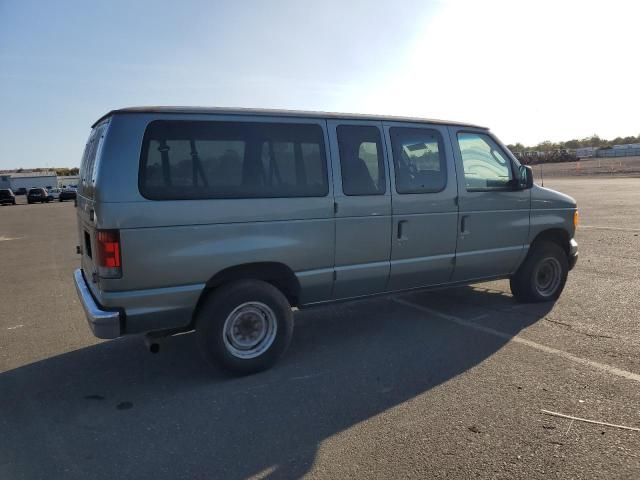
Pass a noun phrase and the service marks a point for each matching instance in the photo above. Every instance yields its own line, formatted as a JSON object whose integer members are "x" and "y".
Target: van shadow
{"x": 112, "y": 410}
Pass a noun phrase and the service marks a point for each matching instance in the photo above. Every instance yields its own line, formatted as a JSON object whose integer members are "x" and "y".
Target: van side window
{"x": 419, "y": 160}
{"x": 198, "y": 159}
{"x": 486, "y": 167}
{"x": 361, "y": 160}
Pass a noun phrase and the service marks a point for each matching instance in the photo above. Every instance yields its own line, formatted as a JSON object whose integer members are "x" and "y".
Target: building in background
{"x": 4, "y": 180}
{"x": 17, "y": 180}
{"x": 68, "y": 180}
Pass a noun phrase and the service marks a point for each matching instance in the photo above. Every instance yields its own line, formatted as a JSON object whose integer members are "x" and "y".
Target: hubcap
{"x": 250, "y": 330}
{"x": 548, "y": 276}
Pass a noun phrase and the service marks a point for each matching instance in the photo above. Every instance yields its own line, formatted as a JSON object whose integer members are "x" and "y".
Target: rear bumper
{"x": 573, "y": 253}
{"x": 112, "y": 314}
{"x": 103, "y": 323}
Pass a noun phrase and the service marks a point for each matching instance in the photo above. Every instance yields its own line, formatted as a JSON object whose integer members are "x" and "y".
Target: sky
{"x": 531, "y": 70}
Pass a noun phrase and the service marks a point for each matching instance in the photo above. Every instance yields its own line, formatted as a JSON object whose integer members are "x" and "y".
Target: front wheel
{"x": 542, "y": 276}
{"x": 245, "y": 326}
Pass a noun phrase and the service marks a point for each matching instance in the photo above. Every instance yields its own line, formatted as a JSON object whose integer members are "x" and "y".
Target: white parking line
{"x": 543, "y": 348}
{"x": 6, "y": 239}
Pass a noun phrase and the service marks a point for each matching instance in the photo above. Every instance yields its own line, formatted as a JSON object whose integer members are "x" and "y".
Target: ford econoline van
{"x": 223, "y": 220}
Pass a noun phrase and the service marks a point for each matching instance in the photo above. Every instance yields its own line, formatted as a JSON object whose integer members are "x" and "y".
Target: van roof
{"x": 279, "y": 113}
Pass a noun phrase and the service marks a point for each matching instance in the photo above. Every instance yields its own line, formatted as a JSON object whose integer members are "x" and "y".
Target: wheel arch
{"x": 558, "y": 236}
{"x": 277, "y": 274}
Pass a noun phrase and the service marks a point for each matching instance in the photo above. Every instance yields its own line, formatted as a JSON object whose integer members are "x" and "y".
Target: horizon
{"x": 527, "y": 148}
{"x": 530, "y": 71}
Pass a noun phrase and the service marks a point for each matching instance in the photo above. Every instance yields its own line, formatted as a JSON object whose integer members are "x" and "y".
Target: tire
{"x": 250, "y": 305}
{"x": 60, "y": 200}
{"x": 543, "y": 274}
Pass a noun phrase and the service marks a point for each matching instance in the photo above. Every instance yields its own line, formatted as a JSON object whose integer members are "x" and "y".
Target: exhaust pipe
{"x": 152, "y": 342}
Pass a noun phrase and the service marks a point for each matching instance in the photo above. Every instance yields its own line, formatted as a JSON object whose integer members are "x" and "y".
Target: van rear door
{"x": 86, "y": 200}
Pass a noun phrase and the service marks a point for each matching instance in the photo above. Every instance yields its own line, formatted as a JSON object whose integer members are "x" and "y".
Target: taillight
{"x": 109, "y": 259}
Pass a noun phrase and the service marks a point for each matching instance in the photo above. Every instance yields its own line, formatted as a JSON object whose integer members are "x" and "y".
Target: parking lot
{"x": 440, "y": 384}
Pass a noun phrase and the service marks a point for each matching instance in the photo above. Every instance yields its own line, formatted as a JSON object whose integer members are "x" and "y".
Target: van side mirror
{"x": 526, "y": 177}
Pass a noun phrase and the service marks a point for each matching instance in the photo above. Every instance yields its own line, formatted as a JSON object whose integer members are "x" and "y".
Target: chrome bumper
{"x": 103, "y": 323}
{"x": 573, "y": 253}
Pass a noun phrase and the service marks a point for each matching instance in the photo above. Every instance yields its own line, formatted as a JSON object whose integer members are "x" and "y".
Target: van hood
{"x": 542, "y": 197}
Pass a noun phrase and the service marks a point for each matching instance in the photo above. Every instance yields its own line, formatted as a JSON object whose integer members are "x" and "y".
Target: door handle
{"x": 401, "y": 224}
{"x": 463, "y": 225}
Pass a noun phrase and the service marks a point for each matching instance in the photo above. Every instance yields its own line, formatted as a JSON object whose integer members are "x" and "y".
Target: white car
{"x": 54, "y": 193}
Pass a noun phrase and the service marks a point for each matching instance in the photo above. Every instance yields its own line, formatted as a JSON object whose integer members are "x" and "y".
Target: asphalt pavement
{"x": 440, "y": 384}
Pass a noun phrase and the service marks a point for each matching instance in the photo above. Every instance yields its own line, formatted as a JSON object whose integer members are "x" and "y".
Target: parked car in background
{"x": 223, "y": 220}
{"x": 54, "y": 193}
{"x": 20, "y": 191}
{"x": 68, "y": 193}
{"x": 7, "y": 197}
{"x": 37, "y": 195}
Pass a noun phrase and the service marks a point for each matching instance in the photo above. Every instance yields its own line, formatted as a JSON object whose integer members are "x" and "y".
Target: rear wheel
{"x": 543, "y": 274}
{"x": 245, "y": 326}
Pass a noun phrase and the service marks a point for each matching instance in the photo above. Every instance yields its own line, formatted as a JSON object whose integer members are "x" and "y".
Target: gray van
{"x": 223, "y": 220}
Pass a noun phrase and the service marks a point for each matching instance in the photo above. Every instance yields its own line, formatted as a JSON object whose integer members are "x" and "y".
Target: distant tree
{"x": 518, "y": 147}
{"x": 74, "y": 171}
{"x": 545, "y": 146}
{"x": 592, "y": 141}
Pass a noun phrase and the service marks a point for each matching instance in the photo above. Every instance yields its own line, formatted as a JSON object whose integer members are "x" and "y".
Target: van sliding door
{"x": 362, "y": 207}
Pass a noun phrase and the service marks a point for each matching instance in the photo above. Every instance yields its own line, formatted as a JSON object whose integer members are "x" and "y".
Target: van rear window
{"x": 90, "y": 158}
{"x": 199, "y": 159}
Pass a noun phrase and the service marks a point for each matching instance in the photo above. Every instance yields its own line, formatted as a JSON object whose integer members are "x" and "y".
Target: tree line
{"x": 592, "y": 141}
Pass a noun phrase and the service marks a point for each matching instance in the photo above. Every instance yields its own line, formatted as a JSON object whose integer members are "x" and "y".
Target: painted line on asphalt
{"x": 599, "y": 227}
{"x": 538, "y": 346}
{"x": 6, "y": 239}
